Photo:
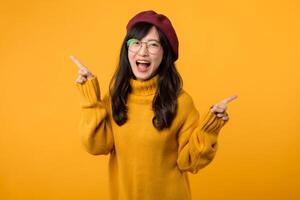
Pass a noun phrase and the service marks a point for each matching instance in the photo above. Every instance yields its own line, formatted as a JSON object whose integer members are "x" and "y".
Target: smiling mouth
{"x": 144, "y": 63}
{"x": 142, "y": 66}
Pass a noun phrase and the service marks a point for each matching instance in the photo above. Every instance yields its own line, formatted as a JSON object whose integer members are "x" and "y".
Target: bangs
{"x": 139, "y": 30}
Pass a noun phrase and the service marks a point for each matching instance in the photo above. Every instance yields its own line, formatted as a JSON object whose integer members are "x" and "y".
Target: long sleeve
{"x": 197, "y": 139}
{"x": 94, "y": 128}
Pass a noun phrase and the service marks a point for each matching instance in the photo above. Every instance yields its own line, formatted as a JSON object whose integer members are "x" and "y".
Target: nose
{"x": 143, "y": 50}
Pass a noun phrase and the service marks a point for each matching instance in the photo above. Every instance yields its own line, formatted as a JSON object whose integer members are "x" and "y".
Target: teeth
{"x": 141, "y": 61}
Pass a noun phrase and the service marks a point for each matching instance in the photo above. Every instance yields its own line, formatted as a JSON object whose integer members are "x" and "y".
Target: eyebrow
{"x": 152, "y": 40}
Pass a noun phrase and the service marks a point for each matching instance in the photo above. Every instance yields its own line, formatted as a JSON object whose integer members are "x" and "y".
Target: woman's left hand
{"x": 220, "y": 108}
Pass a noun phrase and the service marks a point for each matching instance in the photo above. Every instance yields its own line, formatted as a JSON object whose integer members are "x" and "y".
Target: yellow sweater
{"x": 147, "y": 164}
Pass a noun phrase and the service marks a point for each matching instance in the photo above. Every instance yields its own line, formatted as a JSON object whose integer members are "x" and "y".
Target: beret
{"x": 160, "y": 21}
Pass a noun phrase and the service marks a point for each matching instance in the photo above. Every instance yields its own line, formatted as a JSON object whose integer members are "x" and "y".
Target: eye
{"x": 153, "y": 44}
{"x": 133, "y": 42}
{"x": 136, "y": 42}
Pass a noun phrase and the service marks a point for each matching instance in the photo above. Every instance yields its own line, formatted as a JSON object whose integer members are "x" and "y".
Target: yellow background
{"x": 248, "y": 48}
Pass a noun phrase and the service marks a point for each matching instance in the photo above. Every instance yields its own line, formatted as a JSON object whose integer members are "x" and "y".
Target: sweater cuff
{"x": 211, "y": 123}
{"x": 89, "y": 92}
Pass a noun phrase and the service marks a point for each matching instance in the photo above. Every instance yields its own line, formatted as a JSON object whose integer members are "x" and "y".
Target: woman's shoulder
{"x": 185, "y": 98}
{"x": 106, "y": 98}
{"x": 186, "y": 109}
{"x": 185, "y": 102}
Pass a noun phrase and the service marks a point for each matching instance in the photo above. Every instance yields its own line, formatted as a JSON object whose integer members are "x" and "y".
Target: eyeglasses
{"x": 134, "y": 45}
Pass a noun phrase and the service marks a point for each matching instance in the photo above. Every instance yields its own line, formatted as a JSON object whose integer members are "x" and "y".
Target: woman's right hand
{"x": 83, "y": 73}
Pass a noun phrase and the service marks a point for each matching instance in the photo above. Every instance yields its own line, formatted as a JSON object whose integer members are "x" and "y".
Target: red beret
{"x": 160, "y": 21}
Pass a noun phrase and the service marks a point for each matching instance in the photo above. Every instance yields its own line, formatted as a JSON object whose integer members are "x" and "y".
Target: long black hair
{"x": 169, "y": 85}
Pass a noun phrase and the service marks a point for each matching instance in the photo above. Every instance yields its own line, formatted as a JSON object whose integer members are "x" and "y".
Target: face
{"x": 143, "y": 64}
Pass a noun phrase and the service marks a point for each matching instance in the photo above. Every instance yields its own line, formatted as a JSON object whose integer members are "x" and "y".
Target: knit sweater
{"x": 144, "y": 163}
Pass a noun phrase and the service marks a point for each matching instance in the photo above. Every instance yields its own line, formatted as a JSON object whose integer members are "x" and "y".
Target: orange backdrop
{"x": 249, "y": 48}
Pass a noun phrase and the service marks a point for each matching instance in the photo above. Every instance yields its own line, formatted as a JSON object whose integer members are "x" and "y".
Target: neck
{"x": 144, "y": 87}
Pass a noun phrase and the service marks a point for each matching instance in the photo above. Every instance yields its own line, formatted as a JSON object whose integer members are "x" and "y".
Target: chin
{"x": 143, "y": 76}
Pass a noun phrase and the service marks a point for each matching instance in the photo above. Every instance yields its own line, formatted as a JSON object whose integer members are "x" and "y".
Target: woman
{"x": 148, "y": 123}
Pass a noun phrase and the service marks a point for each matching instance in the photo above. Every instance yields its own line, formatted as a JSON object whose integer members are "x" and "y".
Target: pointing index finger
{"x": 76, "y": 61}
{"x": 229, "y": 99}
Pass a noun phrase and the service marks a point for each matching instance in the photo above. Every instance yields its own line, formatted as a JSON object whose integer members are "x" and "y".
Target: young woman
{"x": 147, "y": 122}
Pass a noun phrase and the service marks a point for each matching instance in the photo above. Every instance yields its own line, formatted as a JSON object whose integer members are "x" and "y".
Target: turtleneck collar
{"x": 144, "y": 88}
